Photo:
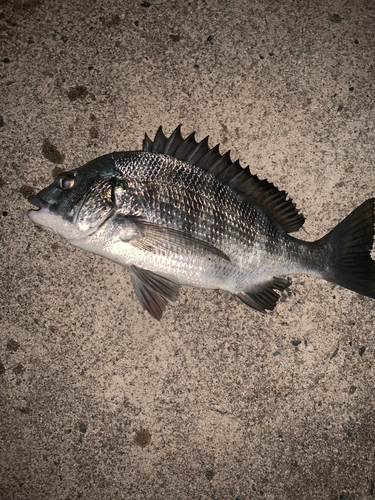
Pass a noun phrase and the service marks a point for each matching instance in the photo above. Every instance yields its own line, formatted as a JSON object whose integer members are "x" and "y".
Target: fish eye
{"x": 66, "y": 182}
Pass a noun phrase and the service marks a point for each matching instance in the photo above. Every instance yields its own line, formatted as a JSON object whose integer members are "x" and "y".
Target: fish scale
{"x": 180, "y": 213}
{"x": 213, "y": 205}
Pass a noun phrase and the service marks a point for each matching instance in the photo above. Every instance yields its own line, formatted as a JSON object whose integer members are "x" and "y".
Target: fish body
{"x": 180, "y": 213}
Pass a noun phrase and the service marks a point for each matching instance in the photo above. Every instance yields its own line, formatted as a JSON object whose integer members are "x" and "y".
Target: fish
{"x": 179, "y": 213}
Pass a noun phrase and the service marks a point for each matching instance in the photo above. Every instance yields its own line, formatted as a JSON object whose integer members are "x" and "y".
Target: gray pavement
{"x": 97, "y": 399}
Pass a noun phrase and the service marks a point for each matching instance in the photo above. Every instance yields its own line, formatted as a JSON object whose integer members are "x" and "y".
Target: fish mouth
{"x": 38, "y": 202}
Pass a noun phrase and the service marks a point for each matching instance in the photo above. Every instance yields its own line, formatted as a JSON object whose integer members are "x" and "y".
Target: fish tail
{"x": 347, "y": 248}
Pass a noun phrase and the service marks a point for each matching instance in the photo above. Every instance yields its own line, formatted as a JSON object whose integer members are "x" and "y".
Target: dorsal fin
{"x": 221, "y": 167}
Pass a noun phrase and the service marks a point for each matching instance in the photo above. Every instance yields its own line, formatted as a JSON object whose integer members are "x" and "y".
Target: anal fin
{"x": 267, "y": 298}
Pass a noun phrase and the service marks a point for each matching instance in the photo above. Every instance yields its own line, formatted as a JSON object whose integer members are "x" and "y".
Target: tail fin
{"x": 348, "y": 248}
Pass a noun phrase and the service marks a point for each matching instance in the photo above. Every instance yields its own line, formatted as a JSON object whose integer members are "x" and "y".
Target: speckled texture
{"x": 97, "y": 399}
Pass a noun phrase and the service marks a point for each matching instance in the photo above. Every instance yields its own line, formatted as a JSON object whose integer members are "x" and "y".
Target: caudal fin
{"x": 347, "y": 249}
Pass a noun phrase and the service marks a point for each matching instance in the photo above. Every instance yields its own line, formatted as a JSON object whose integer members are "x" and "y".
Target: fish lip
{"x": 38, "y": 202}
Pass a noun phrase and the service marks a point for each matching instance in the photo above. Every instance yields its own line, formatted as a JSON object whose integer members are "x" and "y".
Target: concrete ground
{"x": 100, "y": 401}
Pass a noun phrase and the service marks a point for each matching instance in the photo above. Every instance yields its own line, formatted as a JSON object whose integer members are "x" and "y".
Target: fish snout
{"x": 38, "y": 202}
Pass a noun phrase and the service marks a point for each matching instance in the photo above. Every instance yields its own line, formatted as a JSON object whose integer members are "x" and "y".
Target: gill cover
{"x": 97, "y": 206}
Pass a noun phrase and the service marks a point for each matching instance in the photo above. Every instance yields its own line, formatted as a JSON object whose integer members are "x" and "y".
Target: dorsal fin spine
{"x": 173, "y": 142}
{"x": 200, "y": 150}
{"x": 209, "y": 158}
{"x": 147, "y": 143}
{"x": 159, "y": 141}
{"x": 186, "y": 146}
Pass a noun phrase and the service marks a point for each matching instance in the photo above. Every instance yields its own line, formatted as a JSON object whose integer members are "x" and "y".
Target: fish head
{"x": 78, "y": 202}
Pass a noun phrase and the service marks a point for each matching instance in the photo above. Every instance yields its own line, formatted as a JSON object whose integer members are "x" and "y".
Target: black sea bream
{"x": 180, "y": 213}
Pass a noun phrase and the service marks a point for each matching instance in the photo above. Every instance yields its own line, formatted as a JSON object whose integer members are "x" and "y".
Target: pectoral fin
{"x": 153, "y": 291}
{"x": 161, "y": 239}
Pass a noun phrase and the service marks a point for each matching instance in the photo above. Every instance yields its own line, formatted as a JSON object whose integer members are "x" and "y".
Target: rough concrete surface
{"x": 100, "y": 401}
